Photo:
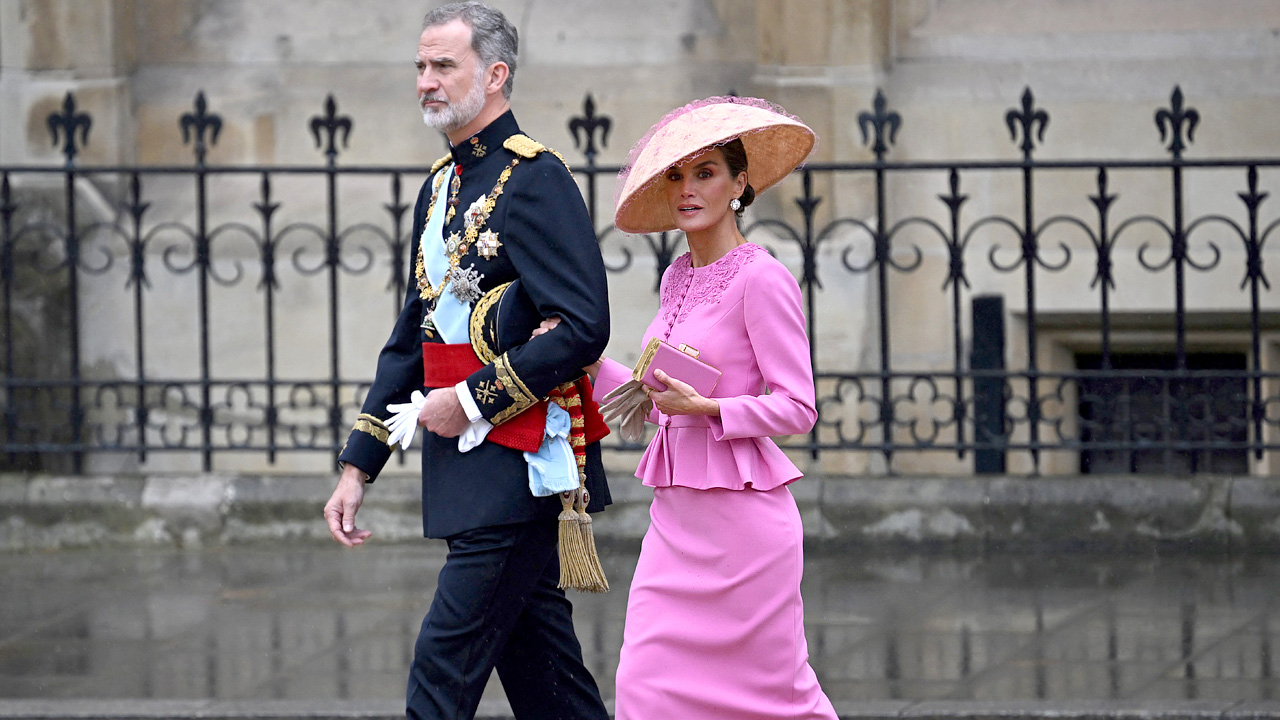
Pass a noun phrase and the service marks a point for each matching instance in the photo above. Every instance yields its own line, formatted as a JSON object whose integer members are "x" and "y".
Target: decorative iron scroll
{"x": 275, "y": 275}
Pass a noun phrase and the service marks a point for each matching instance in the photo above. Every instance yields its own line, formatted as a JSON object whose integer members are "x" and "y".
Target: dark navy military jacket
{"x": 546, "y": 241}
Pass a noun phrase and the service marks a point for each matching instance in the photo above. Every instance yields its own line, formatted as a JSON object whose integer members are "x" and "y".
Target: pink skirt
{"x": 715, "y": 624}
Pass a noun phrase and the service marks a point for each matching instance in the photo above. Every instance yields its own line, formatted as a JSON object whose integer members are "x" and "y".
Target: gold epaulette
{"x": 435, "y": 167}
{"x": 523, "y": 145}
{"x": 527, "y": 147}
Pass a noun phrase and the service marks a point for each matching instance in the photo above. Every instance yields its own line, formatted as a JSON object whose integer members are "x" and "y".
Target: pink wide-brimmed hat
{"x": 776, "y": 144}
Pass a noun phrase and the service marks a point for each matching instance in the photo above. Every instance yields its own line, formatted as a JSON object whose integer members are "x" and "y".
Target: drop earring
{"x": 735, "y": 204}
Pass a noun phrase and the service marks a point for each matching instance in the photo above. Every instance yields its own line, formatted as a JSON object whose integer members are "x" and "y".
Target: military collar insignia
{"x": 478, "y": 148}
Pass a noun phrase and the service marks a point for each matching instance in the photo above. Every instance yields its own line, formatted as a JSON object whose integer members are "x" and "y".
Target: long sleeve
{"x": 776, "y": 330}
{"x": 612, "y": 375}
{"x": 399, "y": 373}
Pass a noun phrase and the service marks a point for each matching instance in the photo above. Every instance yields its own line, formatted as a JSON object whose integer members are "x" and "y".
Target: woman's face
{"x": 699, "y": 190}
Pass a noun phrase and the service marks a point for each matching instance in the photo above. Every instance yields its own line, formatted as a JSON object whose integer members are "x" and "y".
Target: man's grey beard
{"x": 456, "y": 114}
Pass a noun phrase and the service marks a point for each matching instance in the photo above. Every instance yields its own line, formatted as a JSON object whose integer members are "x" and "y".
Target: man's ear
{"x": 496, "y": 76}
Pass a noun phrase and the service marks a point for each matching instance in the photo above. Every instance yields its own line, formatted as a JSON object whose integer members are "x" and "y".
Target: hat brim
{"x": 775, "y": 144}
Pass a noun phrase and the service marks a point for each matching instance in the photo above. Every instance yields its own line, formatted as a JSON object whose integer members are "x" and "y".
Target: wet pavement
{"x": 312, "y": 622}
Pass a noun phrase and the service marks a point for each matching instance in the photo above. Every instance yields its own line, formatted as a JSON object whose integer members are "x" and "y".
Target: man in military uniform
{"x": 500, "y": 215}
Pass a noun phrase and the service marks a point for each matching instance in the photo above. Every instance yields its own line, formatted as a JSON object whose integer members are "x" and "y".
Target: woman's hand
{"x": 547, "y": 326}
{"x": 681, "y": 399}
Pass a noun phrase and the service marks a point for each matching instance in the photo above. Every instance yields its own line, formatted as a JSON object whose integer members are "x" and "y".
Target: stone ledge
{"x": 1117, "y": 513}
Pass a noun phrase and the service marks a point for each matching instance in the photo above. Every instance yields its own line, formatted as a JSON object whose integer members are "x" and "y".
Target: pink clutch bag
{"x": 681, "y": 363}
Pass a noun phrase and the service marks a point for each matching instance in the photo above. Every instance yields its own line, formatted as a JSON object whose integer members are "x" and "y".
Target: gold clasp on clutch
{"x": 689, "y": 350}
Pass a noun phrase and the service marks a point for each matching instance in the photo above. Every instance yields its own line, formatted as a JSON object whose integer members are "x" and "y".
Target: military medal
{"x": 429, "y": 323}
{"x": 487, "y": 244}
{"x": 466, "y": 284}
{"x": 454, "y": 186}
{"x": 477, "y": 214}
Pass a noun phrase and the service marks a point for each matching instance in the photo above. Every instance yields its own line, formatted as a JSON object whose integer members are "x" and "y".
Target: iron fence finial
{"x": 68, "y": 121}
{"x": 588, "y": 123}
{"x": 331, "y": 122}
{"x": 197, "y": 123}
{"x": 1031, "y": 119}
{"x": 878, "y": 122}
{"x": 1175, "y": 117}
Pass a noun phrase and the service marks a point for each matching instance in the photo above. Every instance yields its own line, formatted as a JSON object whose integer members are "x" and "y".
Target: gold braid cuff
{"x": 521, "y": 397}
{"x": 367, "y": 423}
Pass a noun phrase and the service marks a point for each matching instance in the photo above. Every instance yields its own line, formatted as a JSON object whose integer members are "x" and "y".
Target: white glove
{"x": 404, "y": 420}
{"x": 628, "y": 403}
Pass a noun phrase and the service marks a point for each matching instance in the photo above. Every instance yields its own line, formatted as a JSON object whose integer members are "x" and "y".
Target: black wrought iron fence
{"x": 1142, "y": 340}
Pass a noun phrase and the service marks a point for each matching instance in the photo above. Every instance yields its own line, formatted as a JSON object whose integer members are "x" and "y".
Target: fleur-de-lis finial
{"x": 588, "y": 123}
{"x": 1175, "y": 116}
{"x": 197, "y": 123}
{"x": 331, "y": 122}
{"x": 68, "y": 121}
{"x": 1032, "y": 120}
{"x": 878, "y": 123}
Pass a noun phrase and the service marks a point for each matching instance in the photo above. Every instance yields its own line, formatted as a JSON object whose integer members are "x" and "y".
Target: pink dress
{"x": 715, "y": 623}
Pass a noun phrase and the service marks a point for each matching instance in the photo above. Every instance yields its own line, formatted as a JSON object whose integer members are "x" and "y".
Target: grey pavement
{"x": 221, "y": 596}
{"x": 306, "y": 629}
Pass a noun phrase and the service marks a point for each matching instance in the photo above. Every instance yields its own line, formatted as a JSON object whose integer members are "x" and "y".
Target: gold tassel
{"x": 579, "y": 562}
{"x": 596, "y": 581}
{"x": 573, "y": 563}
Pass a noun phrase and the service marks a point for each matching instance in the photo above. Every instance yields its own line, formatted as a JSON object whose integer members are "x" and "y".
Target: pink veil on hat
{"x": 776, "y": 143}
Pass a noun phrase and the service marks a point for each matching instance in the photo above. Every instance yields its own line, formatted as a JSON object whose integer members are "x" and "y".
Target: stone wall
{"x": 951, "y": 68}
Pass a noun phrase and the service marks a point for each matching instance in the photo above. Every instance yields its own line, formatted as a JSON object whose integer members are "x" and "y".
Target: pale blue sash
{"x": 451, "y": 315}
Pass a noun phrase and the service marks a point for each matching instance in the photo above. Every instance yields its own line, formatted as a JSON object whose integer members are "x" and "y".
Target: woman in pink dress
{"x": 715, "y": 624}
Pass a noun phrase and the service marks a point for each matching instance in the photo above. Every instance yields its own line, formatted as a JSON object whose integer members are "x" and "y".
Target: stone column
{"x": 823, "y": 61}
{"x": 51, "y": 47}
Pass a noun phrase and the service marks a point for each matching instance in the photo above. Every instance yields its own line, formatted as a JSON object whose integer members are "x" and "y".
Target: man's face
{"x": 450, "y": 77}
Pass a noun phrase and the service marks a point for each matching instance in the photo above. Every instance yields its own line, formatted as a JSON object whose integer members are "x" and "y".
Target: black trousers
{"x": 497, "y": 606}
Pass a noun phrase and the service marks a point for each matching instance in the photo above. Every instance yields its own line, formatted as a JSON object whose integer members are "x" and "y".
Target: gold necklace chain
{"x": 470, "y": 232}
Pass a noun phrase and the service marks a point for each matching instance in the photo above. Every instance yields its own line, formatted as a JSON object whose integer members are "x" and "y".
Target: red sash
{"x": 446, "y": 365}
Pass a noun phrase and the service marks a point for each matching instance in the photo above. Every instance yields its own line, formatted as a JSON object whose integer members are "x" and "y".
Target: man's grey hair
{"x": 493, "y": 37}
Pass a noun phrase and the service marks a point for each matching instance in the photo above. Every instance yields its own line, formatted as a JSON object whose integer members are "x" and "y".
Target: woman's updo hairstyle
{"x": 735, "y": 156}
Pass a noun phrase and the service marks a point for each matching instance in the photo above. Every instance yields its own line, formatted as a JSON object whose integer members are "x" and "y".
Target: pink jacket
{"x": 743, "y": 314}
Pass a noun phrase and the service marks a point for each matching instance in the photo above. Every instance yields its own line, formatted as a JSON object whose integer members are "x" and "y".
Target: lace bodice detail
{"x": 681, "y": 294}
